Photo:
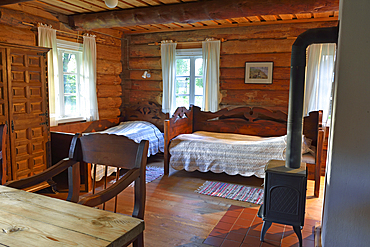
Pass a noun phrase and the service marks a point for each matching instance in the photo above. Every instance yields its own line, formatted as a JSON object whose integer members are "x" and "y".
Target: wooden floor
{"x": 177, "y": 216}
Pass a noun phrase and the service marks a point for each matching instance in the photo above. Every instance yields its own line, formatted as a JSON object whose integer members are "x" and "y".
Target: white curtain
{"x": 47, "y": 38}
{"x": 319, "y": 78}
{"x": 89, "y": 76}
{"x": 168, "y": 58}
{"x": 211, "y": 74}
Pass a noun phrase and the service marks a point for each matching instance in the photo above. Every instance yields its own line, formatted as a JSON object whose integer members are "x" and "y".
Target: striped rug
{"x": 151, "y": 174}
{"x": 232, "y": 191}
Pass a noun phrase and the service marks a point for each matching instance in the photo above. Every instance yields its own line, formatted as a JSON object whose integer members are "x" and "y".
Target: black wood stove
{"x": 284, "y": 197}
{"x": 285, "y": 182}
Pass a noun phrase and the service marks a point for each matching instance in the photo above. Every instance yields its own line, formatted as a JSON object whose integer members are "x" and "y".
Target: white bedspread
{"x": 222, "y": 152}
{"x": 136, "y": 131}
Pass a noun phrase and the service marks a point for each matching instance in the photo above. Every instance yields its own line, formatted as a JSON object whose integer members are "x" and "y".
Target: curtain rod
{"x": 70, "y": 33}
{"x": 184, "y": 42}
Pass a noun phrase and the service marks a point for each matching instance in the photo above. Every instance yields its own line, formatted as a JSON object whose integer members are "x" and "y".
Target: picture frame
{"x": 258, "y": 72}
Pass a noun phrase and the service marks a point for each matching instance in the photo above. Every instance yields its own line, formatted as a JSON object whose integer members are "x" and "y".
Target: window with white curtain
{"x": 189, "y": 78}
{"x": 319, "y": 79}
{"x": 69, "y": 81}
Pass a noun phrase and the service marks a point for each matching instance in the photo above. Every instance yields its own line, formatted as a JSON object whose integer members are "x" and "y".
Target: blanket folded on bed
{"x": 223, "y": 152}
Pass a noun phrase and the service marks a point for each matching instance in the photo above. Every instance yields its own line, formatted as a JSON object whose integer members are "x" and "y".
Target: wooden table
{"x": 29, "y": 219}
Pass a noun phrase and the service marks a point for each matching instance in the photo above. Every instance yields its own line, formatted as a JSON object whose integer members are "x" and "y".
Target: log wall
{"x": 243, "y": 44}
{"x": 121, "y": 61}
{"x": 109, "y": 65}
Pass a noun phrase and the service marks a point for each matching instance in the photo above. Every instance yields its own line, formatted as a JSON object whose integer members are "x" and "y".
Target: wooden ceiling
{"x": 144, "y": 16}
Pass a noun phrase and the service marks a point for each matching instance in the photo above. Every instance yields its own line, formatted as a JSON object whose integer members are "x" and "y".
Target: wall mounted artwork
{"x": 258, "y": 72}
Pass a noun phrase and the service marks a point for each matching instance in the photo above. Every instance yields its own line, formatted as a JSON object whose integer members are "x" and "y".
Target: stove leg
{"x": 297, "y": 230}
{"x": 266, "y": 225}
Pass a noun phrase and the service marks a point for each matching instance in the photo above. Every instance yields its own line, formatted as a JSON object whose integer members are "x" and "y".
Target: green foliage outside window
{"x": 182, "y": 66}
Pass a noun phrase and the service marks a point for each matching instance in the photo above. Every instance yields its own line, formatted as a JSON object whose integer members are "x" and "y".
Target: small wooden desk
{"x": 28, "y": 219}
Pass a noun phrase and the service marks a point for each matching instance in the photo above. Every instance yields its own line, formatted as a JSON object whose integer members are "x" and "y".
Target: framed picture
{"x": 258, "y": 72}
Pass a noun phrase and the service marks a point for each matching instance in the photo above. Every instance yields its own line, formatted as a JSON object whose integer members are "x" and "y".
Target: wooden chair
{"x": 3, "y": 129}
{"x": 108, "y": 150}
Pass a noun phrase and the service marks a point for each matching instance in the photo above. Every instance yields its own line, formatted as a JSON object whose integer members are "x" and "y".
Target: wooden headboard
{"x": 242, "y": 120}
{"x": 150, "y": 112}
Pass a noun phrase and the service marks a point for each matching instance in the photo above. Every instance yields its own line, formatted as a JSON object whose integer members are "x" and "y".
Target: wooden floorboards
{"x": 177, "y": 216}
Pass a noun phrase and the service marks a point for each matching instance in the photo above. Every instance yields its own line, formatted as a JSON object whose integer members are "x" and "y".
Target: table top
{"x": 29, "y": 219}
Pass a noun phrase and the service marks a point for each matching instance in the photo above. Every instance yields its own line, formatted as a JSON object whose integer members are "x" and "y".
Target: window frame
{"x": 73, "y": 48}
{"x": 193, "y": 55}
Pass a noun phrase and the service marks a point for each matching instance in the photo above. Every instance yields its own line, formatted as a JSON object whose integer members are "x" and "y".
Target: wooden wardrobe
{"x": 24, "y": 108}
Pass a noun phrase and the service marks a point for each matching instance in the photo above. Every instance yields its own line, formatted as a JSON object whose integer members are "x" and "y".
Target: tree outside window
{"x": 189, "y": 81}
{"x": 69, "y": 83}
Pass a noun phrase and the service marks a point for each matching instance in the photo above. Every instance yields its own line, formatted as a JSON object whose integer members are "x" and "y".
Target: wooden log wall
{"x": 260, "y": 43}
{"x": 109, "y": 65}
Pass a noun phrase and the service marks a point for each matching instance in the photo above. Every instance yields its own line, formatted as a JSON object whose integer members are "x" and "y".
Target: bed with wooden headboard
{"x": 192, "y": 134}
{"x": 148, "y": 114}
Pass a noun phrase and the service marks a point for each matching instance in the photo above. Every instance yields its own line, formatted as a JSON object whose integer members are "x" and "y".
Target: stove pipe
{"x": 297, "y": 87}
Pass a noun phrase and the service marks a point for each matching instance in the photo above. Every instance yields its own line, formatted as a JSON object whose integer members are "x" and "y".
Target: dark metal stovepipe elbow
{"x": 297, "y": 89}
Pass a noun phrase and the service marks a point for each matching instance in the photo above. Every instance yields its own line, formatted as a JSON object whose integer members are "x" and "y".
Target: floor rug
{"x": 152, "y": 173}
{"x": 232, "y": 191}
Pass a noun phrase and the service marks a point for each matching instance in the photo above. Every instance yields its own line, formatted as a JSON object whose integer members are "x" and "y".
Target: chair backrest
{"x": 3, "y": 129}
{"x": 115, "y": 151}
{"x": 103, "y": 149}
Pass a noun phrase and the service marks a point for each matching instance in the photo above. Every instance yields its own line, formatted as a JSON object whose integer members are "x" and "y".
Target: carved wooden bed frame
{"x": 256, "y": 121}
{"x": 62, "y": 135}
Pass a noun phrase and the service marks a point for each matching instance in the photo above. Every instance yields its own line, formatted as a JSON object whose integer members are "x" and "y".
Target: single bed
{"x": 143, "y": 121}
{"x": 237, "y": 141}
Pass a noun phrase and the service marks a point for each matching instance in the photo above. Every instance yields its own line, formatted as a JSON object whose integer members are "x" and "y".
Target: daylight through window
{"x": 189, "y": 80}
{"x": 70, "y": 77}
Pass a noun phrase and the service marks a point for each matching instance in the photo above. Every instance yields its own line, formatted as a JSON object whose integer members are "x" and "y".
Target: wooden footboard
{"x": 313, "y": 129}
{"x": 180, "y": 123}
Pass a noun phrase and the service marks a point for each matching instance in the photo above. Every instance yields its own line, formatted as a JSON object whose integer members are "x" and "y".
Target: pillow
{"x": 306, "y": 144}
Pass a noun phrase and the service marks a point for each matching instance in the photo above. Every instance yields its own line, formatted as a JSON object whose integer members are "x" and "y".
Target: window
{"x": 319, "y": 79}
{"x": 189, "y": 78}
{"x": 70, "y": 78}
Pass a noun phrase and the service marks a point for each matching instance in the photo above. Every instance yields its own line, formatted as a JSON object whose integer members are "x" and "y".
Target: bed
{"x": 144, "y": 121}
{"x": 237, "y": 141}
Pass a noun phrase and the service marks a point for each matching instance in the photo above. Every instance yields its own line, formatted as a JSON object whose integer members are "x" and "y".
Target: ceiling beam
{"x": 6, "y": 2}
{"x": 192, "y": 12}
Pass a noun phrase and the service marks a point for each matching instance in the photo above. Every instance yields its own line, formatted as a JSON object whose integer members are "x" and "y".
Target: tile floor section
{"x": 240, "y": 227}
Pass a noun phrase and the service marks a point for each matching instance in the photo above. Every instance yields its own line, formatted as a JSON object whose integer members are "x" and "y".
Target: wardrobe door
{"x": 28, "y": 111}
{"x": 4, "y": 103}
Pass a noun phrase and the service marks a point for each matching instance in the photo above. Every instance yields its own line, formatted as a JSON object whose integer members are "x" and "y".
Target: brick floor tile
{"x": 235, "y": 236}
{"x": 214, "y": 241}
{"x": 230, "y": 243}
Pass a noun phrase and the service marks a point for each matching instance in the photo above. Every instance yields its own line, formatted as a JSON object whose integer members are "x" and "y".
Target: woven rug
{"x": 232, "y": 191}
{"x": 152, "y": 173}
